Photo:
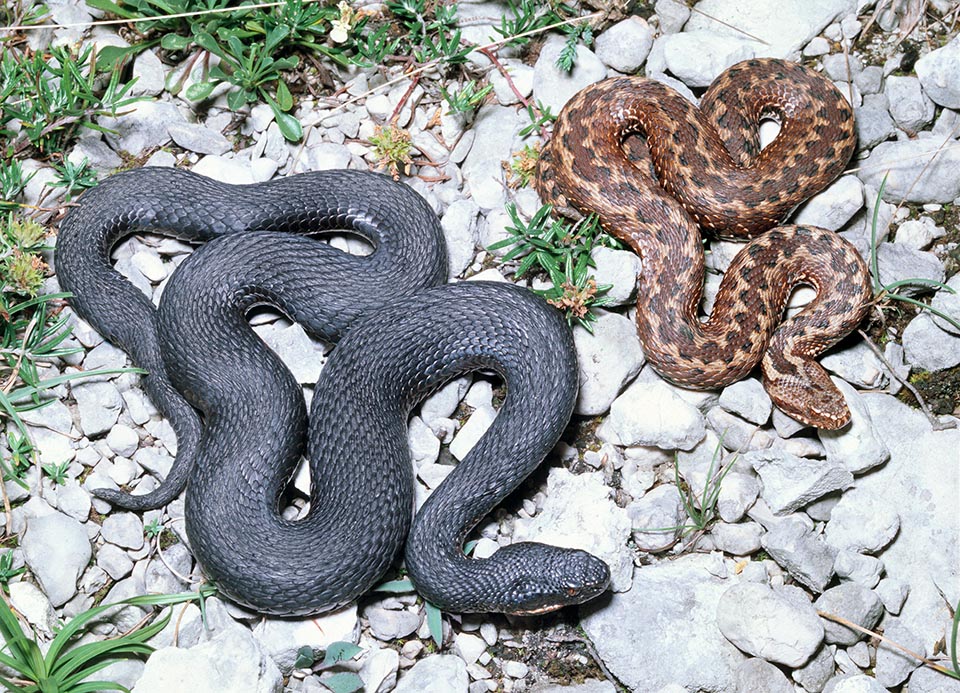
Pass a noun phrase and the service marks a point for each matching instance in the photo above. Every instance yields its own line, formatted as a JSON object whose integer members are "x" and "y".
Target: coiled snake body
{"x": 708, "y": 169}
{"x": 406, "y": 337}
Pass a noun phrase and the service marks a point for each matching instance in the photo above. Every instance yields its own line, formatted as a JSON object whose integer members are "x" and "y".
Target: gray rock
{"x": 759, "y": 675}
{"x": 325, "y": 156}
{"x": 651, "y": 413}
{"x": 114, "y": 561}
{"x": 899, "y": 262}
{"x": 813, "y": 675}
{"x": 619, "y": 269}
{"x": 482, "y": 169}
{"x": 462, "y": 235}
{"x": 424, "y": 445}
{"x": 697, "y": 57}
{"x": 625, "y": 45}
{"x": 435, "y": 673}
{"x": 552, "y": 86}
{"x": 790, "y": 482}
{"x": 853, "y": 602}
{"x": 893, "y": 594}
{"x": 748, "y": 399}
{"x": 859, "y": 683}
{"x": 857, "y": 446}
{"x": 910, "y": 107}
{"x": 851, "y": 566}
{"x": 123, "y": 440}
{"x": 99, "y": 405}
{"x": 522, "y": 77}
{"x": 869, "y": 79}
{"x": 655, "y": 511}
{"x": 143, "y": 125}
{"x": 926, "y": 680}
{"x": 472, "y": 431}
{"x": 123, "y": 529}
{"x": 231, "y": 661}
{"x": 72, "y": 500}
{"x": 893, "y": 666}
{"x": 54, "y": 416}
{"x": 672, "y": 14}
{"x": 469, "y": 647}
{"x": 225, "y": 169}
{"x": 857, "y": 364}
{"x": 390, "y": 624}
{"x": 155, "y": 460}
{"x": 797, "y": 550}
{"x": 160, "y": 578}
{"x": 34, "y": 606}
{"x": 608, "y": 359}
{"x": 281, "y": 639}
{"x": 833, "y": 207}
{"x": 918, "y": 233}
{"x": 784, "y": 28}
{"x": 862, "y": 522}
{"x": 149, "y": 73}
{"x": 578, "y": 513}
{"x": 765, "y": 624}
{"x": 631, "y": 632}
{"x": 927, "y": 346}
{"x": 198, "y": 138}
{"x": 57, "y": 550}
{"x": 293, "y": 345}
{"x": 443, "y": 403}
{"x": 700, "y": 467}
{"x": 96, "y": 152}
{"x": 915, "y": 175}
{"x": 939, "y": 73}
{"x": 740, "y": 539}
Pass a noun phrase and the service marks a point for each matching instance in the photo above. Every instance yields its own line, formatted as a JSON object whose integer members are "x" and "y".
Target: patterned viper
{"x": 706, "y": 167}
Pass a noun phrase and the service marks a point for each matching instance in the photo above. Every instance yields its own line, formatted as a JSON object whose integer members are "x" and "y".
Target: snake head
{"x": 547, "y": 578}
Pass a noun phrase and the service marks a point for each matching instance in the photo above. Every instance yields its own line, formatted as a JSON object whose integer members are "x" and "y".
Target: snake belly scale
{"x": 705, "y": 167}
{"x": 405, "y": 336}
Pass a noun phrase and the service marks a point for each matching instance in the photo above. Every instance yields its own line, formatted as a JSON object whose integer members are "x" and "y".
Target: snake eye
{"x": 572, "y": 591}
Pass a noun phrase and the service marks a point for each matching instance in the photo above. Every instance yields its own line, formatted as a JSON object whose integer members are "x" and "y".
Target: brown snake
{"x": 708, "y": 169}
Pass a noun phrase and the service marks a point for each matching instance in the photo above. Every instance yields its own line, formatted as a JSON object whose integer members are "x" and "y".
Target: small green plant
{"x": 335, "y": 654}
{"x": 154, "y": 528}
{"x": 392, "y": 147}
{"x": 431, "y": 34}
{"x": 522, "y": 168}
{"x": 50, "y": 95}
{"x": 21, "y": 458}
{"x": 576, "y": 34}
{"x": 74, "y": 177}
{"x": 562, "y": 250}
{"x": 63, "y": 670}
{"x": 467, "y": 98}
{"x": 433, "y": 613}
{"x": 888, "y": 292}
{"x": 540, "y": 116}
{"x": 7, "y": 571}
{"x": 57, "y": 472}
{"x": 252, "y": 68}
{"x": 12, "y": 184}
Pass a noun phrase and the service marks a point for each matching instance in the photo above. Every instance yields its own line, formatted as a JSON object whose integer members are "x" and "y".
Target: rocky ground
{"x": 860, "y": 523}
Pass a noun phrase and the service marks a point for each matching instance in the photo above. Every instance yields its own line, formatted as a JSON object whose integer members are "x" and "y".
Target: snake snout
{"x": 561, "y": 577}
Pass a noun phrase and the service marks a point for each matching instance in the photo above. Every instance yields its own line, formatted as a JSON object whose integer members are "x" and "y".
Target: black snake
{"x": 407, "y": 335}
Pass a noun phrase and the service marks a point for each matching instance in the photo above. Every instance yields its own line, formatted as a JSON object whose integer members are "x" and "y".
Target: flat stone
{"x": 123, "y": 529}
{"x": 785, "y": 28}
{"x": 835, "y": 206}
{"x": 653, "y": 513}
{"x": 893, "y": 666}
{"x": 857, "y": 446}
{"x": 764, "y": 624}
{"x": 123, "y": 440}
{"x": 281, "y": 639}
{"x": 672, "y": 15}
{"x": 851, "y": 566}
{"x": 939, "y": 73}
{"x": 149, "y": 73}
{"x": 143, "y": 125}
{"x": 748, "y": 399}
{"x": 114, "y": 561}
{"x": 391, "y": 624}
{"x": 917, "y": 170}
{"x": 862, "y": 522}
{"x": 651, "y": 413}
{"x": 608, "y": 359}
{"x": 54, "y": 416}
{"x": 619, "y": 269}
{"x": 929, "y": 347}
{"x": 893, "y": 594}
{"x": 740, "y": 539}
{"x": 460, "y": 228}
{"x": 482, "y": 169}
{"x": 759, "y": 675}
{"x": 293, "y": 345}
{"x": 34, "y": 606}
{"x": 798, "y": 551}
{"x": 435, "y": 673}
{"x": 926, "y": 680}
{"x": 57, "y": 550}
{"x": 522, "y": 77}
{"x": 625, "y": 45}
{"x": 472, "y": 431}
{"x": 697, "y": 57}
{"x": 98, "y": 405}
{"x": 790, "y": 482}
{"x": 858, "y": 683}
{"x": 911, "y": 109}
{"x": 231, "y": 661}
{"x": 632, "y": 632}
{"x": 198, "y": 138}
{"x": 578, "y": 513}
{"x": 552, "y": 86}
{"x": 853, "y": 602}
